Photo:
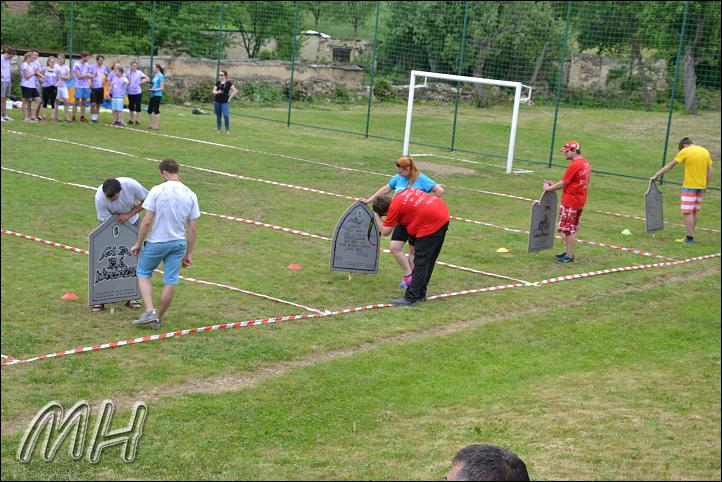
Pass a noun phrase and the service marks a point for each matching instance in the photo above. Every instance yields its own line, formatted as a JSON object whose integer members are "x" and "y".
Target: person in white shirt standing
{"x": 7, "y": 56}
{"x": 123, "y": 197}
{"x": 169, "y": 206}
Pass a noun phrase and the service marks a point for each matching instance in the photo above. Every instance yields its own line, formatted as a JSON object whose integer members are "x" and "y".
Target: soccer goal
{"x": 518, "y": 99}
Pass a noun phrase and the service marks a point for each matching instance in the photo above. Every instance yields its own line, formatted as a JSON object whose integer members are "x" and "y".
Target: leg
{"x": 217, "y": 109}
{"x": 146, "y": 292}
{"x": 227, "y": 116}
{"x": 397, "y": 249}
{"x": 689, "y": 224}
{"x": 570, "y": 240}
{"x": 427, "y": 251}
{"x": 412, "y": 254}
{"x": 37, "y": 107}
{"x": 165, "y": 298}
{"x": 26, "y": 108}
{"x": 4, "y": 111}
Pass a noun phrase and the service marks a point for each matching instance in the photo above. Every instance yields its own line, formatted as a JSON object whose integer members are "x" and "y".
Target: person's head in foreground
{"x": 486, "y": 462}
{"x": 571, "y": 150}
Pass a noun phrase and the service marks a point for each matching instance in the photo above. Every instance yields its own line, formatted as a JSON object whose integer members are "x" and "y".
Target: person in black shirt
{"x": 223, "y": 92}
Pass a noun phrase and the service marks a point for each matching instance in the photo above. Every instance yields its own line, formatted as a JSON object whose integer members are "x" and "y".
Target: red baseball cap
{"x": 570, "y": 145}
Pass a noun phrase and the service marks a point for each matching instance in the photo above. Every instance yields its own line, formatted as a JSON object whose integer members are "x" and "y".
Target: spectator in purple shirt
{"x": 118, "y": 84}
{"x": 63, "y": 78}
{"x": 81, "y": 70}
{"x": 7, "y": 56}
{"x": 136, "y": 78}
{"x": 29, "y": 84}
{"x": 50, "y": 87}
{"x": 99, "y": 72}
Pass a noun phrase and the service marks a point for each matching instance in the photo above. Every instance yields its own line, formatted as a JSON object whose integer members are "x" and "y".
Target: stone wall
{"x": 591, "y": 73}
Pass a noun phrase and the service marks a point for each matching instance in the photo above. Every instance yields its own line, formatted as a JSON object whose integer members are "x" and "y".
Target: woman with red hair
{"x": 407, "y": 177}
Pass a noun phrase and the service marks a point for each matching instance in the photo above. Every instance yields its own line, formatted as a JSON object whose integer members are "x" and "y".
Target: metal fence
{"x": 657, "y": 57}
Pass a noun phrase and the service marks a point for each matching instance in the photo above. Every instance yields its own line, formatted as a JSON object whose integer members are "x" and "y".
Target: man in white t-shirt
{"x": 123, "y": 197}
{"x": 169, "y": 206}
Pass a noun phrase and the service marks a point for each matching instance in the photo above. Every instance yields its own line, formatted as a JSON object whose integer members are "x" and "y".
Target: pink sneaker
{"x": 405, "y": 281}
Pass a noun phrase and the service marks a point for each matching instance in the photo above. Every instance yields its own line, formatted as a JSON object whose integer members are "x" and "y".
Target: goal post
{"x": 518, "y": 99}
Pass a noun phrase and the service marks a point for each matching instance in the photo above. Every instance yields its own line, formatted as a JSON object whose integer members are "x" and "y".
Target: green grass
{"x": 377, "y": 394}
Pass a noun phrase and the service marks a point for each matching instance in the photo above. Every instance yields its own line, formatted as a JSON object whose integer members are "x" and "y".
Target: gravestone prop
{"x": 543, "y": 222}
{"x": 654, "y": 208}
{"x": 356, "y": 241}
{"x": 111, "y": 267}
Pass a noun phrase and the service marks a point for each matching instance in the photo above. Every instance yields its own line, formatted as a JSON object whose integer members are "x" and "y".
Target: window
{"x": 341, "y": 55}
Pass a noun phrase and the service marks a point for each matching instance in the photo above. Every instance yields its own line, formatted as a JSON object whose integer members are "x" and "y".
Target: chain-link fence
{"x": 294, "y": 61}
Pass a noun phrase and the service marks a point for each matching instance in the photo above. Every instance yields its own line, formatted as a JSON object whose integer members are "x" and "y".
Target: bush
{"x": 201, "y": 91}
{"x": 382, "y": 90}
{"x": 261, "y": 92}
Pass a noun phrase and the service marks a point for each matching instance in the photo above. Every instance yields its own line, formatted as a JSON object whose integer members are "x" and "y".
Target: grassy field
{"x": 611, "y": 377}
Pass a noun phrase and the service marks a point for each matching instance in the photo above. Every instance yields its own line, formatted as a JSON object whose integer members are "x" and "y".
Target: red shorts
{"x": 569, "y": 220}
{"x": 691, "y": 200}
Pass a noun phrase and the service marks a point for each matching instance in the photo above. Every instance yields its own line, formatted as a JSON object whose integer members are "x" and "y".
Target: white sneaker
{"x": 146, "y": 318}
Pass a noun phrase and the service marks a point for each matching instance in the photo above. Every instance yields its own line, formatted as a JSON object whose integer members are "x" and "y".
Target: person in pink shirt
{"x": 97, "y": 86}
{"x": 63, "y": 78}
{"x": 136, "y": 78}
{"x": 118, "y": 84}
{"x": 29, "y": 84}
{"x": 7, "y": 56}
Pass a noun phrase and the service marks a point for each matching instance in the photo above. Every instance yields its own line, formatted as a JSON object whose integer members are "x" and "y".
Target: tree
{"x": 259, "y": 22}
{"x": 315, "y": 9}
{"x": 356, "y": 13}
{"x": 701, "y": 40}
{"x": 614, "y": 28}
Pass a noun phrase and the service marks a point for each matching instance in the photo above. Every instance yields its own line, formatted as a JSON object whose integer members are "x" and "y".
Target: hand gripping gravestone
{"x": 356, "y": 241}
{"x": 543, "y": 222}
{"x": 654, "y": 208}
{"x": 111, "y": 267}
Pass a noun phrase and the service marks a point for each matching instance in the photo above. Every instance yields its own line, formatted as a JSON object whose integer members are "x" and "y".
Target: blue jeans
{"x": 222, "y": 107}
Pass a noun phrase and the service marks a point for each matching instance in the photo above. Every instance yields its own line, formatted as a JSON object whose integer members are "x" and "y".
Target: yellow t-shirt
{"x": 696, "y": 160}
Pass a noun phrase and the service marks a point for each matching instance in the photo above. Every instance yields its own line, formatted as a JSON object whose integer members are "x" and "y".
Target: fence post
{"x": 559, "y": 82}
{"x": 71, "y": 34}
{"x": 293, "y": 62}
{"x": 152, "y": 39}
{"x": 674, "y": 86}
{"x": 373, "y": 68}
{"x": 459, "y": 72}
{"x": 219, "y": 42}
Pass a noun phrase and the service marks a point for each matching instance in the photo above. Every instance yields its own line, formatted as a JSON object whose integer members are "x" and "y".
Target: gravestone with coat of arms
{"x": 111, "y": 266}
{"x": 543, "y": 222}
{"x": 654, "y": 207}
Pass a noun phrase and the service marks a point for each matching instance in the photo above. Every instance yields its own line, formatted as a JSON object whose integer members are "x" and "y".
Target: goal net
{"x": 522, "y": 93}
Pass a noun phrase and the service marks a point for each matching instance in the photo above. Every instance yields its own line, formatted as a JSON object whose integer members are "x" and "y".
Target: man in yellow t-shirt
{"x": 697, "y": 174}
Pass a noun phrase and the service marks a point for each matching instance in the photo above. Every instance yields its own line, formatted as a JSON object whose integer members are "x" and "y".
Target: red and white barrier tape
{"x": 276, "y": 228}
{"x": 192, "y": 280}
{"x": 9, "y": 358}
{"x": 318, "y": 191}
{"x": 266, "y": 321}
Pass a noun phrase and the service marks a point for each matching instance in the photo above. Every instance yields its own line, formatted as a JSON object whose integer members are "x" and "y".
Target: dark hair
{"x": 686, "y": 141}
{"x": 160, "y": 68}
{"x": 134, "y": 62}
{"x": 111, "y": 187}
{"x": 120, "y": 69}
{"x": 84, "y": 53}
{"x": 9, "y": 51}
{"x": 381, "y": 205}
{"x": 100, "y": 56}
{"x": 168, "y": 165}
{"x": 487, "y": 462}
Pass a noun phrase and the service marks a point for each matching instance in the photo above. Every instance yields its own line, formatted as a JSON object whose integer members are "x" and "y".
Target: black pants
{"x": 427, "y": 250}
{"x": 49, "y": 95}
{"x": 134, "y": 102}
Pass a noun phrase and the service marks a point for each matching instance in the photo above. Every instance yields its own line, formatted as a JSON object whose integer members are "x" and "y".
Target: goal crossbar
{"x": 518, "y": 99}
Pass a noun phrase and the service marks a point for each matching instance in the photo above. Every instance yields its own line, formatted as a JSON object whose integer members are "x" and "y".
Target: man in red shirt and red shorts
{"x": 574, "y": 196}
{"x": 426, "y": 218}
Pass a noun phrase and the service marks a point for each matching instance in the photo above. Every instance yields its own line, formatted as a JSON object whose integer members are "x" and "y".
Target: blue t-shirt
{"x": 423, "y": 182}
{"x": 156, "y": 84}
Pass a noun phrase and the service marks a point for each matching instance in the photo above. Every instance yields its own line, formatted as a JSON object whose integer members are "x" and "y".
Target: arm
{"x": 437, "y": 190}
{"x": 548, "y": 186}
{"x": 188, "y": 259}
{"x": 233, "y": 93}
{"x": 666, "y": 168}
{"x": 385, "y": 230}
{"x": 122, "y": 218}
{"x": 27, "y": 75}
{"x": 385, "y": 189}
{"x": 215, "y": 90}
{"x": 144, "y": 79}
{"x": 709, "y": 174}
{"x": 142, "y": 232}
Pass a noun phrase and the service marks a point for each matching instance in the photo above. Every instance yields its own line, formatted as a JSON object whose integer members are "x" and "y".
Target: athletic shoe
{"x": 405, "y": 281}
{"x": 83, "y": 120}
{"x": 689, "y": 242}
{"x": 228, "y": 133}
{"x": 94, "y": 121}
{"x": 137, "y": 123}
{"x": 3, "y": 119}
{"x": 147, "y": 317}
{"x": 403, "y": 302}
{"x": 566, "y": 259}
{"x": 561, "y": 255}
{"x": 155, "y": 324}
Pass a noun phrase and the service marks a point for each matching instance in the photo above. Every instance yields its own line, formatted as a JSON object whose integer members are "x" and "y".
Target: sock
{"x": 94, "y": 117}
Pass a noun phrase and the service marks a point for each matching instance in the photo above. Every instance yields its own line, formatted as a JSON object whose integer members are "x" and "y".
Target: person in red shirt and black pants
{"x": 426, "y": 218}
{"x": 574, "y": 196}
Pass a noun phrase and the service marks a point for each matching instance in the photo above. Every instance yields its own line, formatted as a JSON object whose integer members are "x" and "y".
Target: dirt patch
{"x": 234, "y": 381}
{"x": 442, "y": 169}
